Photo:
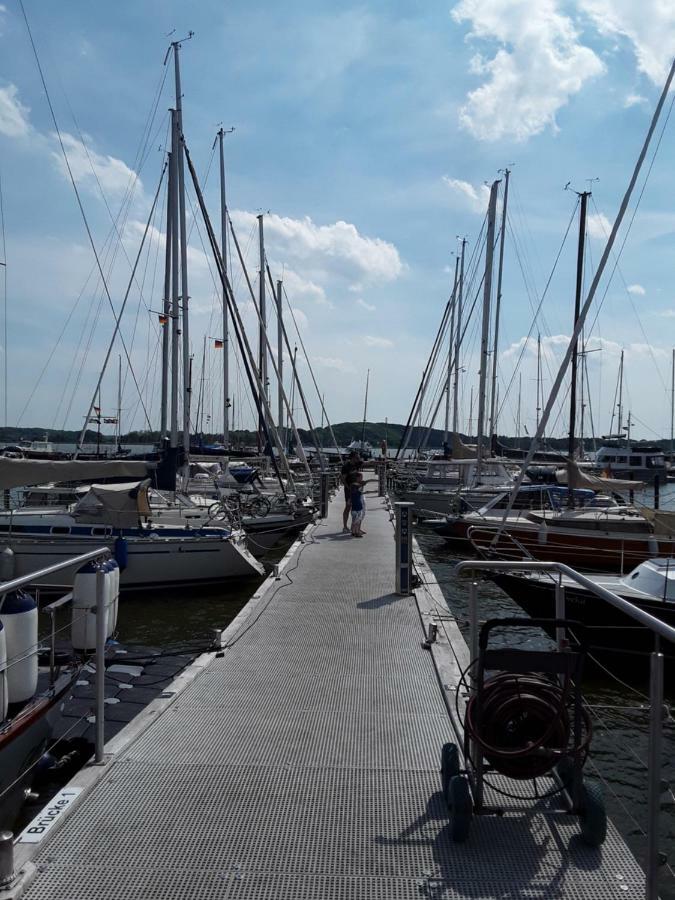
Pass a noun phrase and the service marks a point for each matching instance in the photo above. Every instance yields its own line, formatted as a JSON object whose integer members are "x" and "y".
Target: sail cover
{"x": 574, "y": 477}
{"x": 460, "y": 450}
{"x": 22, "y": 472}
{"x": 118, "y": 505}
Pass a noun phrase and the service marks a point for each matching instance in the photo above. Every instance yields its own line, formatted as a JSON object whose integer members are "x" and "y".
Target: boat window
{"x": 656, "y": 462}
{"x": 635, "y": 461}
{"x": 99, "y": 531}
{"x": 60, "y": 529}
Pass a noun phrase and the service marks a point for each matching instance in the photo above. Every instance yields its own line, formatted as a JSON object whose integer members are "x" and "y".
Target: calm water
{"x": 619, "y": 711}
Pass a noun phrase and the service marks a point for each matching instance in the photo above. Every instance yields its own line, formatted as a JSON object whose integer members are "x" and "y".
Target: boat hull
{"x": 151, "y": 563}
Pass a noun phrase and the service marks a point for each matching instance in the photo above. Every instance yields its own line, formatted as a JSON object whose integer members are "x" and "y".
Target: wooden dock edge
{"x": 89, "y": 776}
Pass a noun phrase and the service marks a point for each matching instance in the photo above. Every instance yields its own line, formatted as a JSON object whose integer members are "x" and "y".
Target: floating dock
{"x": 304, "y": 762}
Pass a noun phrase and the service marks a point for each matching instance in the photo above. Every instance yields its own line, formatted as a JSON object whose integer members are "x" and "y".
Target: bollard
{"x": 657, "y": 491}
{"x": 324, "y": 494}
{"x": 382, "y": 478}
{"x": 6, "y": 859}
{"x": 101, "y": 627}
{"x": 404, "y": 535}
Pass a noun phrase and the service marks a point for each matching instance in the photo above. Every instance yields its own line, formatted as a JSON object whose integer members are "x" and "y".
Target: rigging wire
{"x": 4, "y": 301}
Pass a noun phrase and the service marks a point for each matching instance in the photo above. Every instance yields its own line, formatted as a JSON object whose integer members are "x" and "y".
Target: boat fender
{"x": 6, "y": 564}
{"x": 542, "y": 534}
{"x": 122, "y": 552}
{"x": 113, "y": 610}
{"x": 653, "y": 545}
{"x": 83, "y": 617}
{"x": 19, "y": 615}
{"x": 3, "y": 674}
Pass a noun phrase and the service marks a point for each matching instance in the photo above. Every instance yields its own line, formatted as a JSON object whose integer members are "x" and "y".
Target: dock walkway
{"x": 304, "y": 763}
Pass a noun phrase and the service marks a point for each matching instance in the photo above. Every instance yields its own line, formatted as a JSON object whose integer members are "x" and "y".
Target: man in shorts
{"x": 353, "y": 464}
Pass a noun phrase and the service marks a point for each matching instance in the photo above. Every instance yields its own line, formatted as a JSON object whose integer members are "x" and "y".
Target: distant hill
{"x": 345, "y": 432}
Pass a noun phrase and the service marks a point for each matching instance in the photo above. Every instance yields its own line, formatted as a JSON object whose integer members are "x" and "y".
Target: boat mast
{"x": 280, "y": 357}
{"x": 175, "y": 309}
{"x": 520, "y": 393}
{"x": 484, "y": 347}
{"x": 262, "y": 354}
{"x": 223, "y": 251}
{"x": 450, "y": 352}
{"x": 672, "y": 405}
{"x": 495, "y": 343}
{"x": 185, "y": 299}
{"x": 119, "y": 403}
{"x": 166, "y": 307}
{"x": 583, "y": 197}
{"x": 582, "y": 405}
{"x": 538, "y": 377}
{"x": 458, "y": 331}
{"x": 365, "y": 410}
{"x": 620, "y": 403}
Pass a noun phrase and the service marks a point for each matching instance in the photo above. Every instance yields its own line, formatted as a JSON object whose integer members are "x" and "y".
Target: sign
{"x": 41, "y": 824}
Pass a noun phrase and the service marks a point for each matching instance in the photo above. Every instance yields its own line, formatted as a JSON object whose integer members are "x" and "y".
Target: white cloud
{"x": 634, "y": 100}
{"x": 333, "y": 362}
{"x": 667, "y": 314}
{"x": 648, "y": 26}
{"x": 538, "y": 66}
{"x": 367, "y": 306}
{"x": 476, "y": 199}
{"x": 371, "y": 341}
{"x": 3, "y": 13}
{"x": 337, "y": 249}
{"x": 636, "y": 289}
{"x": 299, "y": 288}
{"x": 13, "y": 114}
{"x": 300, "y": 318}
{"x": 598, "y": 226}
{"x": 114, "y": 176}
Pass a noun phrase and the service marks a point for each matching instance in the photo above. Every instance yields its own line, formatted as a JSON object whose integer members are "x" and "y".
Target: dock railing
{"x": 656, "y": 711}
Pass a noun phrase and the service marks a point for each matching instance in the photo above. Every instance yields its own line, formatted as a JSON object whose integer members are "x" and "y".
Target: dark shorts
{"x": 348, "y": 493}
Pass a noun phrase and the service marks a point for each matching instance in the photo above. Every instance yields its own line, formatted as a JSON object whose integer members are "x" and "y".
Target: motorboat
{"x": 637, "y": 461}
{"x": 439, "y": 482}
{"x": 649, "y": 586}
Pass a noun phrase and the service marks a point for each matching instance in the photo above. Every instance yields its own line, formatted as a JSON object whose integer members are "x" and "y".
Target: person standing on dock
{"x": 358, "y": 502}
{"x": 352, "y": 465}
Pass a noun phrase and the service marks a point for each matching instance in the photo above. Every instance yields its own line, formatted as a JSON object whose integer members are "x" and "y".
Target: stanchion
{"x": 382, "y": 478}
{"x": 404, "y": 536}
{"x": 324, "y": 494}
{"x": 6, "y": 859}
{"x": 657, "y": 492}
{"x": 101, "y": 625}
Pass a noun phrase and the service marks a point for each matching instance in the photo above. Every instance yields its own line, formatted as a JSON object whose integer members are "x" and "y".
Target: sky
{"x": 367, "y": 134}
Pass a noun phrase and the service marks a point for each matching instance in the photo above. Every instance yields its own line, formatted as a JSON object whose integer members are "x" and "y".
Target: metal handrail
{"x": 656, "y": 712}
{"x": 644, "y": 618}
{"x": 24, "y": 580}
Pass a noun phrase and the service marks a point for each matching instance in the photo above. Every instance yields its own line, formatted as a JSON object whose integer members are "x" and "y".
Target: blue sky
{"x": 366, "y": 133}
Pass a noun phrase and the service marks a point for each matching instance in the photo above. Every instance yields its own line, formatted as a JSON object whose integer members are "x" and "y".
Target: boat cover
{"x": 118, "y": 505}
{"x": 21, "y": 472}
{"x": 460, "y": 450}
{"x": 574, "y": 477}
{"x": 663, "y": 520}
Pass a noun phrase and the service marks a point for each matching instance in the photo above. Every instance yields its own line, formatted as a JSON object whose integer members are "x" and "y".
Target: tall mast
{"x": 458, "y": 332}
{"x": 280, "y": 357}
{"x": 538, "y": 377}
{"x": 620, "y": 404}
{"x": 166, "y": 307}
{"x": 583, "y": 196}
{"x": 484, "y": 348}
{"x": 175, "y": 308}
{"x": 520, "y": 393}
{"x": 365, "y": 411}
{"x": 582, "y": 405}
{"x": 262, "y": 354}
{"x": 184, "y": 295}
{"x": 450, "y": 353}
{"x": 223, "y": 251}
{"x": 119, "y": 403}
{"x": 672, "y": 405}
{"x": 495, "y": 345}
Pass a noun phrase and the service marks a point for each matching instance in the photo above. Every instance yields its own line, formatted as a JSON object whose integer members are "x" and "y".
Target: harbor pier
{"x": 302, "y": 760}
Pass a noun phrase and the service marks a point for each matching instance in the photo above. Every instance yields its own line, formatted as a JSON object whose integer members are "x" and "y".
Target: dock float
{"x": 304, "y": 762}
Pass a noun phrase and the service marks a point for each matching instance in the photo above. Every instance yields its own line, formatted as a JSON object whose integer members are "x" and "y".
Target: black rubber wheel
{"x": 461, "y": 810}
{"x": 449, "y": 767}
{"x": 593, "y": 815}
{"x": 259, "y": 506}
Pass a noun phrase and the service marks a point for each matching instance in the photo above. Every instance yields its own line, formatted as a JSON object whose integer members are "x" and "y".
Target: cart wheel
{"x": 593, "y": 816}
{"x": 461, "y": 808}
{"x": 449, "y": 767}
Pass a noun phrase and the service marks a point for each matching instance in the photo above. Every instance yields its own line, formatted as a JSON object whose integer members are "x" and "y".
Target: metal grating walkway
{"x": 304, "y": 764}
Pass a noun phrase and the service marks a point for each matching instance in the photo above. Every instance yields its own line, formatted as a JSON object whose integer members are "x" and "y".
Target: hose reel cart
{"x": 525, "y": 720}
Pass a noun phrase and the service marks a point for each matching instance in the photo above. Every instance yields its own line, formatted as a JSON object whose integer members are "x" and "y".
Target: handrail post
{"x": 560, "y": 632}
{"x": 382, "y": 477}
{"x": 101, "y": 616}
{"x": 404, "y": 533}
{"x": 654, "y": 773}
{"x": 324, "y": 495}
{"x": 473, "y": 630}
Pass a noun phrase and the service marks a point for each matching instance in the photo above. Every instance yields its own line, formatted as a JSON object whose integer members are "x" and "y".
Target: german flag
{"x": 218, "y": 344}
{"x": 163, "y": 319}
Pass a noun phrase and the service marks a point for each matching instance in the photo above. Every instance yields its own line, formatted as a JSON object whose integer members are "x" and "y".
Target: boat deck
{"x": 304, "y": 763}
